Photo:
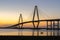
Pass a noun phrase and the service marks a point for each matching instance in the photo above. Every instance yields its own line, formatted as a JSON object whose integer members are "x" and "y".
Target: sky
{"x": 11, "y": 9}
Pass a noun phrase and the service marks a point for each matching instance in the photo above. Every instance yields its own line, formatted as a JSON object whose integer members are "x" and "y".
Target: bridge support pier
{"x": 47, "y": 28}
{"x": 58, "y": 28}
{"x": 51, "y": 28}
{"x": 56, "y": 25}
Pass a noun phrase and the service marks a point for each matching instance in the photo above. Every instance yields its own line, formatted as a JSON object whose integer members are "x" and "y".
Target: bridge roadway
{"x": 32, "y": 28}
{"x": 14, "y": 26}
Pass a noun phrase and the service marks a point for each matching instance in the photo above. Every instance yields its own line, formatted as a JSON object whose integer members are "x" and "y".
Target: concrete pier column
{"x": 57, "y": 28}
{"x": 47, "y": 28}
{"x": 53, "y": 28}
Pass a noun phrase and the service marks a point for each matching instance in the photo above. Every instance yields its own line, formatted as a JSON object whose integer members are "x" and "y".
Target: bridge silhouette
{"x": 53, "y": 23}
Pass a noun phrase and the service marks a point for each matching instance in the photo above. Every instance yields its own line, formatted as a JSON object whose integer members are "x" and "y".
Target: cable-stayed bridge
{"x": 13, "y": 26}
{"x": 53, "y": 23}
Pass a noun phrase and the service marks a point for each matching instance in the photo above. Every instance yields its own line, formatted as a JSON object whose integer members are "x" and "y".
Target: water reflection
{"x": 26, "y": 32}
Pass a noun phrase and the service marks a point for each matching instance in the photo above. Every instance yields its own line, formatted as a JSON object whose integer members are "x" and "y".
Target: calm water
{"x": 25, "y": 32}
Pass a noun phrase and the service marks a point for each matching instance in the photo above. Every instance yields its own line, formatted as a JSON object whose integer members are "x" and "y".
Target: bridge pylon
{"x": 20, "y": 21}
{"x": 35, "y": 13}
{"x": 21, "y": 25}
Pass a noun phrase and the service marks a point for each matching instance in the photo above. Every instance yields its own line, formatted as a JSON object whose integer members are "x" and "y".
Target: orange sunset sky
{"x": 11, "y": 9}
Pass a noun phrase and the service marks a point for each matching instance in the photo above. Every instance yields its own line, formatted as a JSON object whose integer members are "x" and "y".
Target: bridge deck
{"x": 36, "y": 21}
{"x": 34, "y": 28}
{"x": 13, "y": 26}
